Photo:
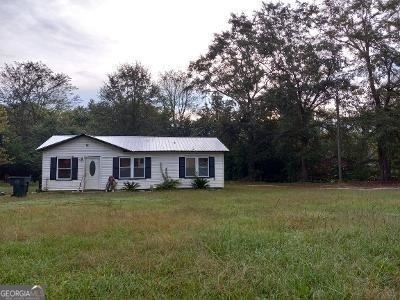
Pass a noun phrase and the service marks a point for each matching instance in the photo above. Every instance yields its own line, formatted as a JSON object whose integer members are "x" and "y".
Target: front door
{"x": 92, "y": 173}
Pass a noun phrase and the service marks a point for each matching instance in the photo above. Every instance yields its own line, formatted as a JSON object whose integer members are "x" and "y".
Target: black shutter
{"x": 181, "y": 167}
{"x": 147, "y": 171}
{"x": 74, "y": 168}
{"x": 116, "y": 167}
{"x": 211, "y": 167}
{"x": 53, "y": 168}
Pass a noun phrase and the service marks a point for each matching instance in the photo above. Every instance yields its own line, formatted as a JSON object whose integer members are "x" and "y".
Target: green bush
{"x": 131, "y": 186}
{"x": 200, "y": 183}
{"x": 168, "y": 183}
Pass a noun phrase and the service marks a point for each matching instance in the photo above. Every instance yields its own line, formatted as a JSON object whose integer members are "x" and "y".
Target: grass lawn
{"x": 240, "y": 242}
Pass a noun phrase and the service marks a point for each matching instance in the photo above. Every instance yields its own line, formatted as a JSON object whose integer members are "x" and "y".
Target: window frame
{"x": 144, "y": 168}
{"x": 132, "y": 167}
{"x": 190, "y": 176}
{"x": 197, "y": 167}
{"x": 70, "y": 169}
{"x": 208, "y": 167}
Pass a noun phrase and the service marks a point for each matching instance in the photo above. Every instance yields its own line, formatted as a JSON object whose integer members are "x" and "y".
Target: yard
{"x": 243, "y": 241}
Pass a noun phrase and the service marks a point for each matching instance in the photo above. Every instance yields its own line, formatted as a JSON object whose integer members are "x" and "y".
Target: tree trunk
{"x": 383, "y": 153}
{"x": 251, "y": 161}
{"x": 304, "y": 173}
{"x": 338, "y": 140}
{"x": 384, "y": 162}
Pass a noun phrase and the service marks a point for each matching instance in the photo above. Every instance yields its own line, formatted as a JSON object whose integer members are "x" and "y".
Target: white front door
{"x": 92, "y": 173}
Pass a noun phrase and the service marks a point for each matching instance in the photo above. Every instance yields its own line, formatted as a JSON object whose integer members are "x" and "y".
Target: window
{"x": 203, "y": 167}
{"x": 196, "y": 167}
{"x": 190, "y": 167}
{"x": 64, "y": 168}
{"x": 138, "y": 167}
{"x": 131, "y": 167}
{"x": 124, "y": 167}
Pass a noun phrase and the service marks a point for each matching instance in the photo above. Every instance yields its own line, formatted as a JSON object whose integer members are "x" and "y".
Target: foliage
{"x": 369, "y": 32}
{"x": 200, "y": 183}
{"x": 266, "y": 88}
{"x": 127, "y": 98}
{"x": 34, "y": 97}
{"x": 168, "y": 183}
{"x": 131, "y": 186}
{"x": 178, "y": 100}
{"x": 4, "y": 131}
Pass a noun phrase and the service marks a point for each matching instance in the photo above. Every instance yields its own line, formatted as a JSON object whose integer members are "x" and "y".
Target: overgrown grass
{"x": 240, "y": 242}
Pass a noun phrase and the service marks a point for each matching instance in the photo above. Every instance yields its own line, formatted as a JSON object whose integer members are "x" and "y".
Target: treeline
{"x": 295, "y": 92}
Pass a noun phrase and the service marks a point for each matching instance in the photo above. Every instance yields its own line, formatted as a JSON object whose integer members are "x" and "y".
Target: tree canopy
{"x": 296, "y": 92}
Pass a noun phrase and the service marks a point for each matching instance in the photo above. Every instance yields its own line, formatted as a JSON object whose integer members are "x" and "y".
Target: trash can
{"x": 20, "y": 185}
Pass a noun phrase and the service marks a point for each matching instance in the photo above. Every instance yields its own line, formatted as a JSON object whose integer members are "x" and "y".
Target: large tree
{"x": 31, "y": 89}
{"x": 233, "y": 68}
{"x": 178, "y": 100}
{"x": 302, "y": 71}
{"x": 128, "y": 97}
{"x": 369, "y": 29}
{"x": 33, "y": 96}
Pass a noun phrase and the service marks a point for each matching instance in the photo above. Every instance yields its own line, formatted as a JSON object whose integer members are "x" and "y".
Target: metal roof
{"x": 147, "y": 143}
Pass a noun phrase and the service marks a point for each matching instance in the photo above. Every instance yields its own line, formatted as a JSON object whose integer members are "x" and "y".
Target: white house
{"x": 78, "y": 162}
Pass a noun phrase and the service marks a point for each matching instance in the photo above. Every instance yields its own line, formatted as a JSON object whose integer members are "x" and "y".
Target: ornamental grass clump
{"x": 200, "y": 183}
{"x": 131, "y": 186}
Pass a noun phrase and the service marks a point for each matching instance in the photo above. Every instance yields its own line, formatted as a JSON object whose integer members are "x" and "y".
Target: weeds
{"x": 168, "y": 183}
{"x": 240, "y": 242}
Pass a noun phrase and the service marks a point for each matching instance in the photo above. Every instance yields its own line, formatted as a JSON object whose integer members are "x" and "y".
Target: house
{"x": 78, "y": 162}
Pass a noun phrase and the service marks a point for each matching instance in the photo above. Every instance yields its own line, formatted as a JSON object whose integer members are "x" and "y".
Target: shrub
{"x": 200, "y": 183}
{"x": 131, "y": 186}
{"x": 168, "y": 183}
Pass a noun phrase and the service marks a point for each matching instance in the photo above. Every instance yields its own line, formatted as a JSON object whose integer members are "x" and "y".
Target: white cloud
{"x": 88, "y": 39}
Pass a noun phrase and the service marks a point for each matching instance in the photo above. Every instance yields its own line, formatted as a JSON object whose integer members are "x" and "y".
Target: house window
{"x": 190, "y": 166}
{"x": 131, "y": 167}
{"x": 196, "y": 167}
{"x": 138, "y": 167}
{"x": 64, "y": 168}
{"x": 203, "y": 167}
{"x": 124, "y": 167}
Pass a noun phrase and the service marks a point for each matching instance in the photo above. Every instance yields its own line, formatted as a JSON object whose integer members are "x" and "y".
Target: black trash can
{"x": 20, "y": 185}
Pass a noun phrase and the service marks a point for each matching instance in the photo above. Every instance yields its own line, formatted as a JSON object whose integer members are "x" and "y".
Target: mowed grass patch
{"x": 242, "y": 241}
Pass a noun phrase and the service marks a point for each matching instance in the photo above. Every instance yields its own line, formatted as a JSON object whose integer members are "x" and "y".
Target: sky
{"x": 88, "y": 39}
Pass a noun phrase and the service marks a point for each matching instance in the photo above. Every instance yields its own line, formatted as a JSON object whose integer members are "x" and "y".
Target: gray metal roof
{"x": 147, "y": 143}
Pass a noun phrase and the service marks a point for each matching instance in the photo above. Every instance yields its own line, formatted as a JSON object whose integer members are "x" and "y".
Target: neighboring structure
{"x": 84, "y": 162}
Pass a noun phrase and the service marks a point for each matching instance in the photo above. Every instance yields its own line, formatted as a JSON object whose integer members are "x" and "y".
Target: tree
{"x": 233, "y": 68}
{"x": 301, "y": 69}
{"x": 370, "y": 32}
{"x": 4, "y": 157}
{"x": 178, "y": 100}
{"x": 33, "y": 96}
{"x": 29, "y": 89}
{"x": 128, "y": 96}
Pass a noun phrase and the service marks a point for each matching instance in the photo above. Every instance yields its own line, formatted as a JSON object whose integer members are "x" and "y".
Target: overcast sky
{"x": 86, "y": 39}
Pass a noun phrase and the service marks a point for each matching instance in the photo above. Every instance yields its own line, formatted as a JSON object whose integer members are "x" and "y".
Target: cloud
{"x": 53, "y": 32}
{"x": 43, "y": 28}
{"x": 87, "y": 39}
